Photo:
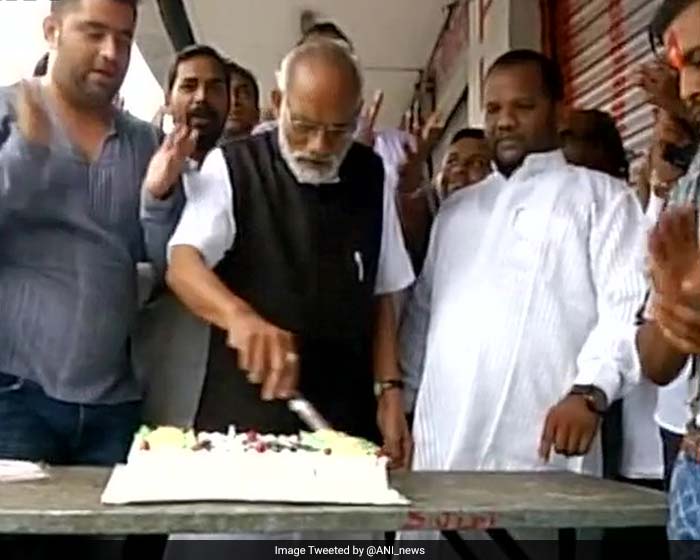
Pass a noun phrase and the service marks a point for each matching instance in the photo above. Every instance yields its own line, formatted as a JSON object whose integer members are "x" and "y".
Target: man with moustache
{"x": 467, "y": 161}
{"x": 532, "y": 283}
{"x": 288, "y": 251}
{"x": 71, "y": 172}
{"x": 170, "y": 343}
{"x": 245, "y": 103}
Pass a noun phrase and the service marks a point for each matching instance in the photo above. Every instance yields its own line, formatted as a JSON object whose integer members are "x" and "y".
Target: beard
{"x": 209, "y": 135}
{"x": 309, "y": 168}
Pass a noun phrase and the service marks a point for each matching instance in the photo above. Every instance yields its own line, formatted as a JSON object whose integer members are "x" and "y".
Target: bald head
{"x": 321, "y": 99}
{"x": 322, "y": 67}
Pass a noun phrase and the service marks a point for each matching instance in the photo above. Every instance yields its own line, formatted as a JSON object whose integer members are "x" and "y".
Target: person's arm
{"x": 394, "y": 274}
{"x": 413, "y": 329}
{"x": 416, "y": 221}
{"x": 608, "y": 363}
{"x": 385, "y": 347}
{"x": 609, "y": 358}
{"x": 206, "y": 231}
{"x": 159, "y": 218}
{"x": 672, "y": 330}
{"x": 200, "y": 289}
{"x": 661, "y": 362}
{"x": 162, "y": 196}
{"x": 26, "y": 135}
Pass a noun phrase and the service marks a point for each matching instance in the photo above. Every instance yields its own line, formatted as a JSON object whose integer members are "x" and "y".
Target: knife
{"x": 308, "y": 413}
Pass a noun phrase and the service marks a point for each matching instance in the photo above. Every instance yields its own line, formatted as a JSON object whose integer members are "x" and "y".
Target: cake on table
{"x": 168, "y": 464}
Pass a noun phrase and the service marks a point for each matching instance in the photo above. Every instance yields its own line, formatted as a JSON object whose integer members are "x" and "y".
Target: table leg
{"x": 508, "y": 545}
{"x": 149, "y": 547}
{"x": 458, "y": 545}
{"x": 567, "y": 544}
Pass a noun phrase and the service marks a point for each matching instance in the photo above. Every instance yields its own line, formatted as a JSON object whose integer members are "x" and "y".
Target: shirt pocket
{"x": 538, "y": 240}
{"x": 527, "y": 233}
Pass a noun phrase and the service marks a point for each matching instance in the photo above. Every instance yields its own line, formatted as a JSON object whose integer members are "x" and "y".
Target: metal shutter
{"x": 599, "y": 44}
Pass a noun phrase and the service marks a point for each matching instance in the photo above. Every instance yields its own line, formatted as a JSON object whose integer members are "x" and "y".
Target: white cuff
{"x": 615, "y": 372}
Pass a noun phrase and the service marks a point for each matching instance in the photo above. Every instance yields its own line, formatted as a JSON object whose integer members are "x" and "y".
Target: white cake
{"x": 171, "y": 465}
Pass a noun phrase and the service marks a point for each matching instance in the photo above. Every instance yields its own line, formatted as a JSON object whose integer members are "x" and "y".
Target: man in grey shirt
{"x": 74, "y": 222}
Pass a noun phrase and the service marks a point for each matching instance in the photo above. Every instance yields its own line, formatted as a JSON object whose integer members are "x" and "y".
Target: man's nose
{"x": 109, "y": 48}
{"x": 200, "y": 94}
{"x": 318, "y": 142}
{"x": 689, "y": 84}
{"x": 506, "y": 119}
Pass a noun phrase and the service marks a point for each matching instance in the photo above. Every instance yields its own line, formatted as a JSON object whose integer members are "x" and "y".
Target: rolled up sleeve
{"x": 207, "y": 222}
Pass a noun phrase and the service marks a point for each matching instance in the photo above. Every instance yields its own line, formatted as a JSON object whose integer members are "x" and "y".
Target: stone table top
{"x": 69, "y": 503}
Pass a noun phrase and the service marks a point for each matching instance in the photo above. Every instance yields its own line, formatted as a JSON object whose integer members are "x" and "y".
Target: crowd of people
{"x": 513, "y": 312}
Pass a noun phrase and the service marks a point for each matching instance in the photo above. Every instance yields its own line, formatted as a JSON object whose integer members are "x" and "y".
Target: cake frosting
{"x": 170, "y": 464}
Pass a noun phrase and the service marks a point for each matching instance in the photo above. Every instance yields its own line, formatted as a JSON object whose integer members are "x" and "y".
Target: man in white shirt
{"x": 532, "y": 282}
{"x": 287, "y": 246}
{"x": 631, "y": 443}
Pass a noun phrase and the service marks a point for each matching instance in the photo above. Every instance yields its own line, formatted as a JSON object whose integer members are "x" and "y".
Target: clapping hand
{"x": 674, "y": 261}
{"x": 32, "y": 120}
{"x": 660, "y": 83}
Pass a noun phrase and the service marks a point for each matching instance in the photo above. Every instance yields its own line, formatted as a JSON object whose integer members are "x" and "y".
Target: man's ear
{"x": 52, "y": 31}
{"x": 276, "y": 99}
{"x": 561, "y": 114}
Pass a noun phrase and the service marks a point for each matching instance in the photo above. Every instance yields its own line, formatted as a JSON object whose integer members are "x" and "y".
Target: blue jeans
{"x": 684, "y": 515}
{"x": 35, "y": 427}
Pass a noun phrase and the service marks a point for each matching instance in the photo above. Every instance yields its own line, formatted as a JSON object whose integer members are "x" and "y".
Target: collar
{"x": 695, "y": 164}
{"x": 119, "y": 123}
{"x": 537, "y": 163}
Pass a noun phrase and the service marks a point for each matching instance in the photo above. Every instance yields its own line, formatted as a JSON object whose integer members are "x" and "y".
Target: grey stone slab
{"x": 69, "y": 503}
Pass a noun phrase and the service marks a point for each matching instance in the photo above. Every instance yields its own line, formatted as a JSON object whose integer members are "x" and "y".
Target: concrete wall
{"x": 153, "y": 41}
{"x": 507, "y": 24}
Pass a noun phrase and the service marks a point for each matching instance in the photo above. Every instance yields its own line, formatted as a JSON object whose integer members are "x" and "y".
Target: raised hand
{"x": 32, "y": 120}
{"x": 368, "y": 119}
{"x": 674, "y": 261}
{"x": 423, "y": 140}
{"x": 168, "y": 163}
{"x": 660, "y": 83}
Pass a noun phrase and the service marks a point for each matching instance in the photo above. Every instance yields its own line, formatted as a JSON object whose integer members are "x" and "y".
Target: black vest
{"x": 305, "y": 258}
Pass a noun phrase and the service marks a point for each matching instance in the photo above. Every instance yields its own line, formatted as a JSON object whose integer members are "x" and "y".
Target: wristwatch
{"x": 381, "y": 386}
{"x": 596, "y": 400}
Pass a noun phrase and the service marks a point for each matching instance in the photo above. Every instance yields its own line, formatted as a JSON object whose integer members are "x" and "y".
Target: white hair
{"x": 321, "y": 48}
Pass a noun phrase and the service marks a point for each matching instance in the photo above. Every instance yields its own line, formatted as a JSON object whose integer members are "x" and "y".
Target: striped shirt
{"x": 531, "y": 285}
{"x": 72, "y": 234}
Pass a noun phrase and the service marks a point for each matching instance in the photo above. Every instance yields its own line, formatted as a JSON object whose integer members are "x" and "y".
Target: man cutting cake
{"x": 290, "y": 249}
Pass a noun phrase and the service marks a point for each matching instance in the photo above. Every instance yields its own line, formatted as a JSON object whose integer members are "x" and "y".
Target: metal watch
{"x": 596, "y": 400}
{"x": 381, "y": 386}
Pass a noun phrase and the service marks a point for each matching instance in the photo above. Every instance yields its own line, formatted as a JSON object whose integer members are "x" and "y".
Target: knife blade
{"x": 308, "y": 413}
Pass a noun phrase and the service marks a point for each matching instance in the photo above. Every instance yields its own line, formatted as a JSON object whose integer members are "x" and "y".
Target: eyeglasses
{"x": 334, "y": 132}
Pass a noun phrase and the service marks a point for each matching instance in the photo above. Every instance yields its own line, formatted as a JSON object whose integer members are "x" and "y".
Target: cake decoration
{"x": 170, "y": 464}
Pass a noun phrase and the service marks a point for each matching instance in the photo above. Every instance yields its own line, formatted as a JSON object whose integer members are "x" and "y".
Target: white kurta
{"x": 531, "y": 285}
